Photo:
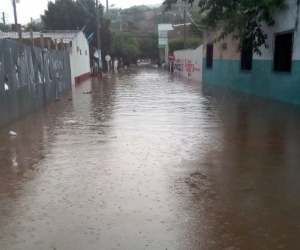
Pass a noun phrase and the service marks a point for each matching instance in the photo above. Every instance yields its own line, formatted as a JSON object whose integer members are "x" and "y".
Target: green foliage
{"x": 199, "y": 23}
{"x": 138, "y": 12}
{"x": 131, "y": 25}
{"x": 5, "y": 28}
{"x": 34, "y": 26}
{"x": 125, "y": 46}
{"x": 70, "y": 15}
{"x": 241, "y": 16}
{"x": 106, "y": 37}
{"x": 148, "y": 46}
{"x": 178, "y": 43}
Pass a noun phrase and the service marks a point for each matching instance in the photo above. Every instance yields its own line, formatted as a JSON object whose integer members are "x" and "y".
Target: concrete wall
{"x": 262, "y": 80}
{"x": 188, "y": 63}
{"x": 30, "y": 78}
{"x": 80, "y": 57}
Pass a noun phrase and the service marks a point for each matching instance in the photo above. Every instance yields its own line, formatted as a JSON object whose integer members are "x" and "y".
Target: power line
{"x": 190, "y": 16}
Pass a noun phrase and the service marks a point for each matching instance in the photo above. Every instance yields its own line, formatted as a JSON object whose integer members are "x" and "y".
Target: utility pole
{"x": 121, "y": 21}
{"x": 98, "y": 39}
{"x": 3, "y": 18}
{"x": 15, "y": 13}
{"x": 184, "y": 28}
{"x": 106, "y": 8}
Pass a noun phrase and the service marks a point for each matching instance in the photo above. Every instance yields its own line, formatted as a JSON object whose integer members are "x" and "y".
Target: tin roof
{"x": 65, "y": 35}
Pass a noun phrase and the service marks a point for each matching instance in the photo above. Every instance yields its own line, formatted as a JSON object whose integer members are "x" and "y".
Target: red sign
{"x": 171, "y": 57}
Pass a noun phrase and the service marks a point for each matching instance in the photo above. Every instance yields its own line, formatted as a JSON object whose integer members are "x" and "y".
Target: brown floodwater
{"x": 152, "y": 161}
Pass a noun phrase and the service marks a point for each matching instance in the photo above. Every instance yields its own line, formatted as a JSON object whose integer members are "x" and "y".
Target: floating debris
{"x": 70, "y": 122}
{"x": 12, "y": 133}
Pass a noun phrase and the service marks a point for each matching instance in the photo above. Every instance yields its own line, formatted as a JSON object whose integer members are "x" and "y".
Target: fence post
{"x": 31, "y": 37}
{"x": 19, "y": 32}
{"x": 55, "y": 41}
{"x": 49, "y": 43}
{"x": 42, "y": 41}
{"x": 61, "y": 44}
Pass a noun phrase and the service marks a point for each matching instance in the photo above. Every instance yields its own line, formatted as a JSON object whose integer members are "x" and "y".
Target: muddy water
{"x": 152, "y": 162}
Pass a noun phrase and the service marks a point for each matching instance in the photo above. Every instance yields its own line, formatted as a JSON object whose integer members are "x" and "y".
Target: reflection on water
{"x": 152, "y": 162}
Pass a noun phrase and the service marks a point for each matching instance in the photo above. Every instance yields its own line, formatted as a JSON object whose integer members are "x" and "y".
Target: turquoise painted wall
{"x": 261, "y": 80}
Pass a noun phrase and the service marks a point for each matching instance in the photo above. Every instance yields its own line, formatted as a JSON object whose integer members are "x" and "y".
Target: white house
{"x": 76, "y": 44}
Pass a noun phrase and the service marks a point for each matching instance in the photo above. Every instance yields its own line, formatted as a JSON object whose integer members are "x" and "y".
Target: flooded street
{"x": 152, "y": 161}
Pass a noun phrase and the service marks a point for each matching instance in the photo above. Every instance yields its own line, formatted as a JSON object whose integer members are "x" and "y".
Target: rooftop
{"x": 65, "y": 35}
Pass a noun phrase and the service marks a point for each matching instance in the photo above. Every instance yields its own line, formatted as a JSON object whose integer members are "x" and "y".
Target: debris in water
{"x": 90, "y": 92}
{"x": 71, "y": 122}
{"x": 12, "y": 133}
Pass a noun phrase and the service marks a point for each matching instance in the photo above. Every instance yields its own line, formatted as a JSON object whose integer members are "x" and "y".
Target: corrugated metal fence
{"x": 30, "y": 78}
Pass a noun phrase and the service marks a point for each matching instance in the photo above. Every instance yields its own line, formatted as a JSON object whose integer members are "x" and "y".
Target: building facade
{"x": 188, "y": 63}
{"x": 74, "y": 41}
{"x": 275, "y": 74}
{"x": 79, "y": 58}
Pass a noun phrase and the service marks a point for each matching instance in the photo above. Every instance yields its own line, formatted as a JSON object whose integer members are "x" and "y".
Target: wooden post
{"x": 62, "y": 44}
{"x": 49, "y": 43}
{"x": 42, "y": 41}
{"x": 55, "y": 42}
{"x": 31, "y": 37}
{"x": 20, "y": 32}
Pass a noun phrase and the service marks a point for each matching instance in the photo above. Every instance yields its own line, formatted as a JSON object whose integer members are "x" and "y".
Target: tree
{"x": 71, "y": 15}
{"x": 5, "y": 28}
{"x": 148, "y": 46}
{"x": 68, "y": 14}
{"x": 125, "y": 46}
{"x": 178, "y": 43}
{"x": 242, "y": 16}
{"x": 132, "y": 26}
{"x": 34, "y": 26}
{"x": 197, "y": 25}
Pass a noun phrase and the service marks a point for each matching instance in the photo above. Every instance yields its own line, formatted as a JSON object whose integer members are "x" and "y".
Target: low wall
{"x": 30, "y": 78}
{"x": 188, "y": 63}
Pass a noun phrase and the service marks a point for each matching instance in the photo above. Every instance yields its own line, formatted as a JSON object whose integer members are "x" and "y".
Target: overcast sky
{"x": 34, "y": 8}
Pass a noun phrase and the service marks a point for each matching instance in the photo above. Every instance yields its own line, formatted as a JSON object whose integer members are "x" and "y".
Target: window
{"x": 283, "y": 52}
{"x": 209, "y": 56}
{"x": 80, "y": 52}
{"x": 85, "y": 52}
{"x": 246, "y": 57}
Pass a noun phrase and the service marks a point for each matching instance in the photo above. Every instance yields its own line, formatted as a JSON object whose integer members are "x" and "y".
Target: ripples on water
{"x": 153, "y": 161}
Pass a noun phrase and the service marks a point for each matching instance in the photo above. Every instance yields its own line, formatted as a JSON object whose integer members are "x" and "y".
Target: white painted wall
{"x": 285, "y": 21}
{"x": 188, "y": 63}
{"x": 79, "y": 56}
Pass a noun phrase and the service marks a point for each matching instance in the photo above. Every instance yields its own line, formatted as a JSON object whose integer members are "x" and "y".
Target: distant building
{"x": 178, "y": 30}
{"x": 163, "y": 30}
{"x": 72, "y": 40}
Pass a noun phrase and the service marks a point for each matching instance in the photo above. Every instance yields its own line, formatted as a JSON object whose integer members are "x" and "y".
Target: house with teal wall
{"x": 275, "y": 74}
